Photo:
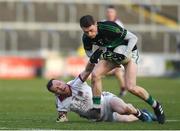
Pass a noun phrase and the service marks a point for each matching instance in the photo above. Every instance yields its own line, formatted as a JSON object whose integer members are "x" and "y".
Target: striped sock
{"x": 96, "y": 101}
{"x": 151, "y": 101}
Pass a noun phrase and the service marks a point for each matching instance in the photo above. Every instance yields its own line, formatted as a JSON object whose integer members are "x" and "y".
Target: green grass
{"x": 26, "y": 104}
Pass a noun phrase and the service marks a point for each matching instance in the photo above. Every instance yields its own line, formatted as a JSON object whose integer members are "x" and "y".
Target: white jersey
{"x": 81, "y": 100}
{"x": 117, "y": 21}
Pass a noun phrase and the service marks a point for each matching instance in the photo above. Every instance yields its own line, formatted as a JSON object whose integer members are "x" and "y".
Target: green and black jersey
{"x": 110, "y": 35}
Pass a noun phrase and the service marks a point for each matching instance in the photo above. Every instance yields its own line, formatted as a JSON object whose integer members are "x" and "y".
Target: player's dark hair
{"x": 86, "y": 21}
{"x": 110, "y": 7}
{"x": 49, "y": 84}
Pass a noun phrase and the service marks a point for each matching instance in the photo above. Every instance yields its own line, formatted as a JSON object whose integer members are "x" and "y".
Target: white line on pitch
{"x": 172, "y": 120}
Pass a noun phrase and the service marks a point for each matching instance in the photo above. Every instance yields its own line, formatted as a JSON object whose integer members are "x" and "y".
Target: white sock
{"x": 154, "y": 104}
{"x": 96, "y": 105}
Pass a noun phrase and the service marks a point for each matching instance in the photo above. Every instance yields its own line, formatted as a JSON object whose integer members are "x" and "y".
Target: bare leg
{"x": 124, "y": 118}
{"x": 122, "y": 108}
{"x": 119, "y": 106}
{"x": 100, "y": 69}
{"x": 130, "y": 81}
{"x": 119, "y": 74}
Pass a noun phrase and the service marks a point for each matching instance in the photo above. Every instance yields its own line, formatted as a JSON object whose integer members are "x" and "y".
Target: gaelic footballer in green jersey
{"x": 119, "y": 47}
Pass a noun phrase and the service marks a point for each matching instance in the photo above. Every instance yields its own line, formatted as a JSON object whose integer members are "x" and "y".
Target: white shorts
{"x": 106, "y": 110}
{"x": 134, "y": 54}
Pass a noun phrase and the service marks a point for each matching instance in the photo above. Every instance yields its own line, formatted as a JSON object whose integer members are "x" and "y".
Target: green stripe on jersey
{"x": 110, "y": 28}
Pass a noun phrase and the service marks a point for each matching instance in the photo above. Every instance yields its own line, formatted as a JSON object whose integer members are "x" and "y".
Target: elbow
{"x": 135, "y": 38}
{"x": 132, "y": 38}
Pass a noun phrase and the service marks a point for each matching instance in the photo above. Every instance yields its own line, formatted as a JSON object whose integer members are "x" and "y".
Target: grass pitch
{"x": 26, "y": 104}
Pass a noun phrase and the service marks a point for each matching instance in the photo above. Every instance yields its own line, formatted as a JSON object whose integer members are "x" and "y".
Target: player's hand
{"x": 62, "y": 117}
{"x": 107, "y": 55}
{"x": 119, "y": 57}
{"x": 95, "y": 56}
{"x": 114, "y": 57}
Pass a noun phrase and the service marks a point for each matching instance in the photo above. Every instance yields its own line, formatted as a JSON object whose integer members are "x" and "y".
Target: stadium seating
{"x": 152, "y": 40}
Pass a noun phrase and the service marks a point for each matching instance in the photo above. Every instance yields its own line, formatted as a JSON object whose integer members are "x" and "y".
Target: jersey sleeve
{"x": 88, "y": 47}
{"x": 132, "y": 40}
{"x": 89, "y": 53}
{"x": 77, "y": 82}
{"x": 119, "y": 23}
{"x": 63, "y": 105}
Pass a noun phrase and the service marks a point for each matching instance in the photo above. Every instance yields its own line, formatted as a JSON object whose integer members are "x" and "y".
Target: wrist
{"x": 62, "y": 113}
{"x": 62, "y": 116}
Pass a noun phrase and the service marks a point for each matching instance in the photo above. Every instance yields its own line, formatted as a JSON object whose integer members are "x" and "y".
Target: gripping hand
{"x": 62, "y": 117}
{"x": 95, "y": 56}
{"x": 115, "y": 57}
{"x": 118, "y": 58}
{"x": 107, "y": 55}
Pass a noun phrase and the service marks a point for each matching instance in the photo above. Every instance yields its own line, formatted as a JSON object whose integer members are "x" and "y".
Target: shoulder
{"x": 86, "y": 42}
{"x": 109, "y": 26}
{"x": 119, "y": 23}
{"x": 85, "y": 38}
{"x": 71, "y": 82}
{"x": 104, "y": 23}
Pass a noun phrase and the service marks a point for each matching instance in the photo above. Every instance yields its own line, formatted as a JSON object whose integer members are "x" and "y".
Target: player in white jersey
{"x": 111, "y": 15}
{"x": 76, "y": 96}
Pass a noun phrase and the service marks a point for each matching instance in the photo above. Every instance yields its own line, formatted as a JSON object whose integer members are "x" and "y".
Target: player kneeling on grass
{"x": 76, "y": 96}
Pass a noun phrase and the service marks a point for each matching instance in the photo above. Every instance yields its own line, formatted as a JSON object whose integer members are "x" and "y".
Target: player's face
{"x": 111, "y": 14}
{"x": 90, "y": 31}
{"x": 59, "y": 87}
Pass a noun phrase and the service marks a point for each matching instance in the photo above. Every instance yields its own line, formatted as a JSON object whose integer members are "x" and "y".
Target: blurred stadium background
{"x": 43, "y": 38}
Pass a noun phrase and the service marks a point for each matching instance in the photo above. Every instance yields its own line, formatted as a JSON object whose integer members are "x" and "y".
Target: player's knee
{"x": 129, "y": 108}
{"x": 133, "y": 90}
{"x": 126, "y": 109}
{"x": 130, "y": 87}
{"x": 95, "y": 75}
{"x": 117, "y": 71}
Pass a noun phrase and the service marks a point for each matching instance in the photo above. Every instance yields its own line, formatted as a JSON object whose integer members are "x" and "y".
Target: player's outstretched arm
{"x": 85, "y": 74}
{"x": 91, "y": 63}
{"x": 132, "y": 40}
